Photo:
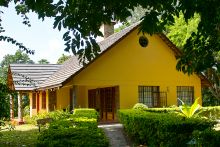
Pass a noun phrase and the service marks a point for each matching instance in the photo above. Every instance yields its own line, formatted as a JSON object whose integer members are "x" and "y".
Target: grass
{"x": 23, "y": 135}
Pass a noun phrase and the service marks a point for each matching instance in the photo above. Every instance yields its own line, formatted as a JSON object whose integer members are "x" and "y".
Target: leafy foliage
{"x": 10, "y": 39}
{"x": 55, "y": 115}
{"x": 208, "y": 99}
{"x": 213, "y": 76}
{"x": 210, "y": 112}
{"x": 161, "y": 129}
{"x": 18, "y": 57}
{"x": 189, "y": 111}
{"x": 162, "y": 110}
{"x": 179, "y": 33}
{"x": 62, "y": 59}
{"x": 140, "y": 106}
{"x": 181, "y": 30}
{"x": 79, "y": 130}
{"x": 209, "y": 137}
{"x": 82, "y": 20}
{"x": 4, "y": 101}
{"x": 43, "y": 61}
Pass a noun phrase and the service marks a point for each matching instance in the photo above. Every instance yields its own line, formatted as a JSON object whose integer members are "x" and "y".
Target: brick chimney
{"x": 107, "y": 30}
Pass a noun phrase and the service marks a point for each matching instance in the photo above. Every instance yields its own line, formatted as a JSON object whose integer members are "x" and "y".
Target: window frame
{"x": 148, "y": 94}
{"x": 185, "y": 94}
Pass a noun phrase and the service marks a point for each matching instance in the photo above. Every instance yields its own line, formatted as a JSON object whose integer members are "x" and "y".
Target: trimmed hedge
{"x": 207, "y": 138}
{"x": 210, "y": 112}
{"x": 162, "y": 110}
{"x": 77, "y": 137}
{"x": 161, "y": 129}
{"x": 80, "y": 130}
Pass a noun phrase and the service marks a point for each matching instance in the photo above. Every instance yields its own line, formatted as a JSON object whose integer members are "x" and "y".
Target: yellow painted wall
{"x": 82, "y": 97}
{"x": 63, "y": 98}
{"x": 34, "y": 111}
{"x": 128, "y": 65}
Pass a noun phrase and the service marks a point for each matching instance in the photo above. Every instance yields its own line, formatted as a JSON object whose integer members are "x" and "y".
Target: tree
{"x": 18, "y": 57}
{"x": 4, "y": 102}
{"x": 82, "y": 20}
{"x": 180, "y": 31}
{"x": 62, "y": 59}
{"x": 43, "y": 61}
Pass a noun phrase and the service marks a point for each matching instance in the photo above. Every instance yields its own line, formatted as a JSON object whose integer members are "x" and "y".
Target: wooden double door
{"x": 104, "y": 101}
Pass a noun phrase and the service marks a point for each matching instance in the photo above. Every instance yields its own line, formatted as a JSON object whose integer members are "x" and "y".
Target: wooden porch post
{"x": 11, "y": 107}
{"x": 20, "y": 115}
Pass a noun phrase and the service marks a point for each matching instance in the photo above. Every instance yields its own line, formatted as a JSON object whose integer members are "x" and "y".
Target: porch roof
{"x": 26, "y": 77}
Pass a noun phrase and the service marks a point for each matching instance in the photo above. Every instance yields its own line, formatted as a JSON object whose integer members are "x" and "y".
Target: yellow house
{"x": 131, "y": 68}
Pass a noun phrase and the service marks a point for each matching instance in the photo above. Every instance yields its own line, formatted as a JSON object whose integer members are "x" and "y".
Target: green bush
{"x": 86, "y": 112}
{"x": 26, "y": 110}
{"x": 210, "y": 112}
{"x": 55, "y": 115}
{"x": 80, "y": 130}
{"x": 140, "y": 106}
{"x": 161, "y": 129}
{"x": 207, "y": 138}
{"x": 76, "y": 137}
{"x": 162, "y": 110}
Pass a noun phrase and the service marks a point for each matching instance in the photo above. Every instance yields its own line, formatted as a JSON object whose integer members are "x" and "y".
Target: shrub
{"x": 85, "y": 112}
{"x": 80, "y": 137}
{"x": 80, "y": 129}
{"x": 26, "y": 110}
{"x": 162, "y": 110}
{"x": 140, "y": 106}
{"x": 189, "y": 111}
{"x": 161, "y": 129}
{"x": 209, "y": 137}
{"x": 210, "y": 112}
{"x": 55, "y": 115}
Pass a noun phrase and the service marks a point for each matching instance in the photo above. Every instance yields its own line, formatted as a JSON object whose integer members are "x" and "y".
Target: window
{"x": 149, "y": 95}
{"x": 186, "y": 94}
{"x": 43, "y": 100}
{"x": 33, "y": 100}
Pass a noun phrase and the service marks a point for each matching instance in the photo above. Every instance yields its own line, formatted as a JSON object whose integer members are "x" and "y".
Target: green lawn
{"x": 23, "y": 135}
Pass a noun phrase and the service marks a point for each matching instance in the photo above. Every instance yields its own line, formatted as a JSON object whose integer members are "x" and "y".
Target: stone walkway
{"x": 115, "y": 134}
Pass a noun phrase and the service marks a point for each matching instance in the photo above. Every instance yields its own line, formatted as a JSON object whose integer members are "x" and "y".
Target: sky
{"x": 40, "y": 37}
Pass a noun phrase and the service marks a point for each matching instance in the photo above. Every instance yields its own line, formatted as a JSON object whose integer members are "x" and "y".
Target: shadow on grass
{"x": 19, "y": 138}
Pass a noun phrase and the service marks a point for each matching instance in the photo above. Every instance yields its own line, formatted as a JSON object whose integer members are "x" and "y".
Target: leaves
{"x": 189, "y": 111}
{"x": 85, "y": 17}
{"x": 62, "y": 59}
{"x": 4, "y": 101}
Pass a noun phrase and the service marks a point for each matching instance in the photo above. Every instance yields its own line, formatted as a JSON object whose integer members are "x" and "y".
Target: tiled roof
{"x": 71, "y": 66}
{"x": 29, "y": 76}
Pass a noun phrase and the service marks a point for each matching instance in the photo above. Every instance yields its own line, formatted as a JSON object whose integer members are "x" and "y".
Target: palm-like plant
{"x": 189, "y": 111}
